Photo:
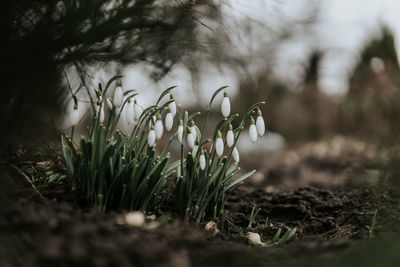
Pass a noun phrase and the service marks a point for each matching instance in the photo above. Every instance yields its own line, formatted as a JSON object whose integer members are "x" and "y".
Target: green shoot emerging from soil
{"x": 116, "y": 166}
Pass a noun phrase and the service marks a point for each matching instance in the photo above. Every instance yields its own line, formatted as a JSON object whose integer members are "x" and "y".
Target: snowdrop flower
{"x": 219, "y": 145}
{"x": 101, "y": 117}
{"x": 138, "y": 110}
{"x": 180, "y": 131}
{"x": 159, "y": 126}
{"x": 230, "y": 137}
{"x": 235, "y": 155}
{"x": 254, "y": 239}
{"x": 190, "y": 138}
{"x": 253, "y": 131}
{"x": 202, "y": 160}
{"x": 151, "y": 139}
{"x": 74, "y": 113}
{"x": 118, "y": 94}
{"x": 169, "y": 120}
{"x": 260, "y": 124}
{"x": 172, "y": 105}
{"x": 130, "y": 112}
{"x": 193, "y": 129}
{"x": 123, "y": 123}
{"x": 195, "y": 149}
{"x": 109, "y": 103}
{"x": 225, "y": 106}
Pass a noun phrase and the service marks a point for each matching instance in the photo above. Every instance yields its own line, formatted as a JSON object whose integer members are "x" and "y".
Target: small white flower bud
{"x": 190, "y": 139}
{"x": 219, "y": 145}
{"x": 74, "y": 112}
{"x": 260, "y": 125}
{"x": 253, "y": 131}
{"x": 193, "y": 129}
{"x": 151, "y": 139}
{"x": 225, "y": 106}
{"x": 138, "y": 110}
{"x": 195, "y": 149}
{"x": 254, "y": 239}
{"x": 202, "y": 161}
{"x": 180, "y": 131}
{"x": 158, "y": 126}
{"x": 135, "y": 218}
{"x": 109, "y": 103}
{"x": 129, "y": 112}
{"x": 235, "y": 155}
{"x": 169, "y": 120}
{"x": 172, "y": 106}
{"x": 118, "y": 94}
{"x": 101, "y": 117}
{"x": 230, "y": 138}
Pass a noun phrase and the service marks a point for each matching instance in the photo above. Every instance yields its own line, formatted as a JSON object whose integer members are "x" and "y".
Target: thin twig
{"x": 28, "y": 180}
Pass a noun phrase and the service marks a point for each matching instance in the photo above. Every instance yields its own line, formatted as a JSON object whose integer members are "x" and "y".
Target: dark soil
{"x": 332, "y": 223}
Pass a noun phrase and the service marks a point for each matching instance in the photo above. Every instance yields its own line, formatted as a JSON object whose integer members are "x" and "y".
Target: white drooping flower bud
{"x": 158, "y": 126}
{"x": 74, "y": 112}
{"x": 202, "y": 160}
{"x": 118, "y": 94}
{"x": 101, "y": 116}
{"x": 172, "y": 105}
{"x": 180, "y": 131}
{"x": 235, "y": 155}
{"x": 260, "y": 125}
{"x": 138, "y": 110}
{"x": 190, "y": 138}
{"x": 253, "y": 131}
{"x": 195, "y": 149}
{"x": 123, "y": 123}
{"x": 151, "y": 139}
{"x": 169, "y": 120}
{"x": 219, "y": 145}
{"x": 225, "y": 106}
{"x": 129, "y": 112}
{"x": 230, "y": 138}
{"x": 254, "y": 239}
{"x": 135, "y": 218}
{"x": 193, "y": 129}
{"x": 109, "y": 103}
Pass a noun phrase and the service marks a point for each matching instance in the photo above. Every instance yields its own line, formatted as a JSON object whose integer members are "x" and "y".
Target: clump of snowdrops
{"x": 116, "y": 165}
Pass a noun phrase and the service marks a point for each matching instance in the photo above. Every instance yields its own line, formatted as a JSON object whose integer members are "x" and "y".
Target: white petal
{"x": 151, "y": 139}
{"x": 235, "y": 155}
{"x": 138, "y": 111}
{"x": 230, "y": 138}
{"x": 129, "y": 114}
{"x": 159, "y": 128}
{"x": 180, "y": 133}
{"x": 169, "y": 121}
{"x": 124, "y": 125}
{"x": 74, "y": 117}
{"x": 225, "y": 107}
{"x": 118, "y": 96}
{"x": 194, "y": 151}
{"x": 193, "y": 131}
{"x": 172, "y": 107}
{"x": 190, "y": 140}
{"x": 260, "y": 126}
{"x": 219, "y": 147}
{"x": 109, "y": 103}
{"x": 202, "y": 161}
{"x": 101, "y": 119}
{"x": 253, "y": 133}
